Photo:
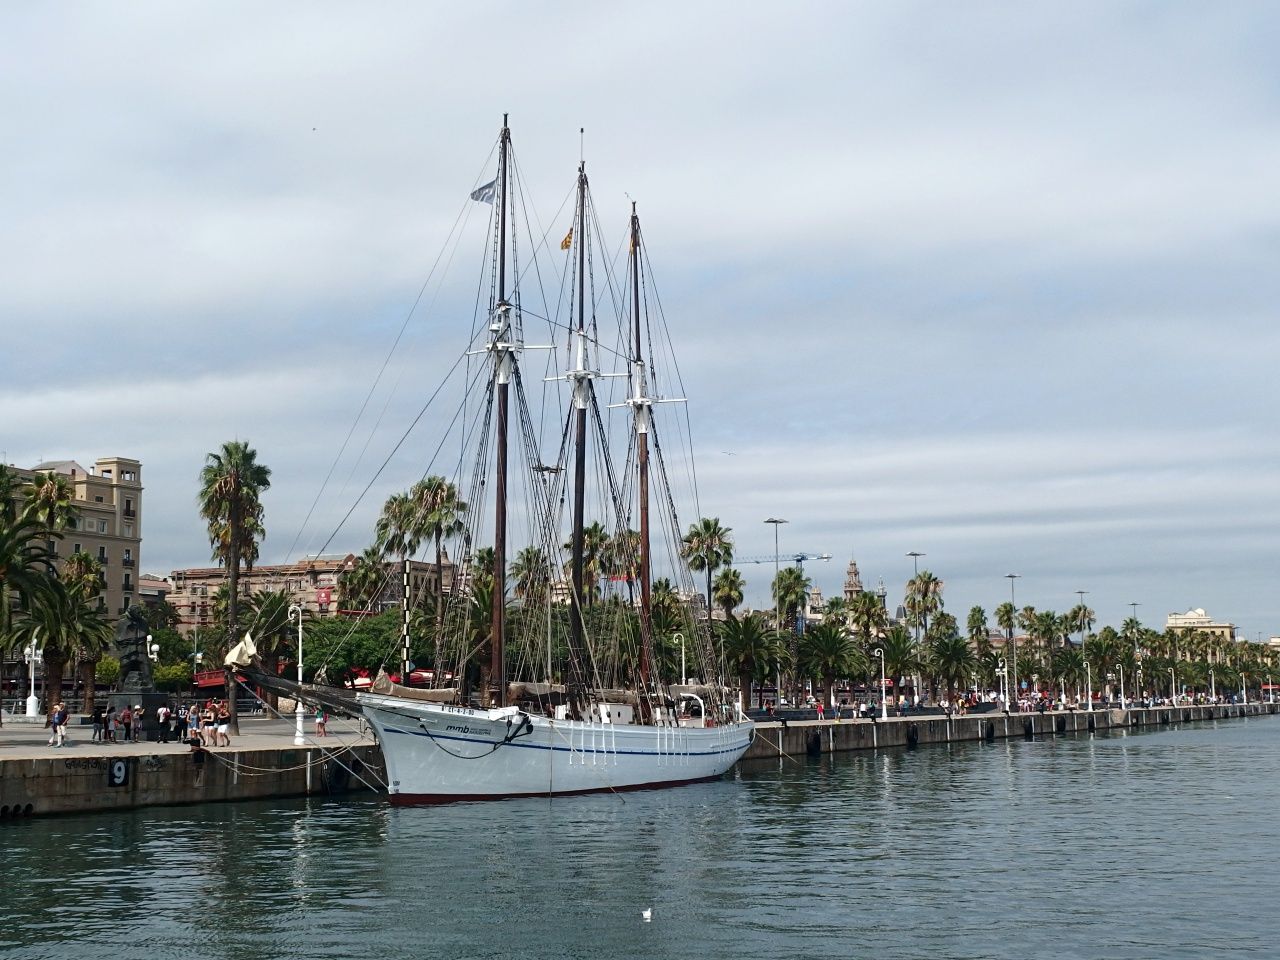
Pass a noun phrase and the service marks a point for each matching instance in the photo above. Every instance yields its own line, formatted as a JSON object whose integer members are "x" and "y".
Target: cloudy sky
{"x": 990, "y": 281}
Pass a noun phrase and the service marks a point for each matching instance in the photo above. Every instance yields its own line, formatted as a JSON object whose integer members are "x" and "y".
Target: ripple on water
{"x": 1129, "y": 844}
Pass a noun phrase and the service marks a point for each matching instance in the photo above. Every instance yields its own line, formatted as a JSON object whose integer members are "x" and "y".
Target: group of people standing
{"x": 210, "y": 724}
{"x": 117, "y": 726}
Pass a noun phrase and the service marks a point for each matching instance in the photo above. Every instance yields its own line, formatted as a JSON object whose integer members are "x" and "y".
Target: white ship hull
{"x": 439, "y": 754}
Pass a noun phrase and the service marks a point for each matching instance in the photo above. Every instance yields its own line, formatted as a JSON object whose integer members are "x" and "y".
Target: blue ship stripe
{"x": 539, "y": 746}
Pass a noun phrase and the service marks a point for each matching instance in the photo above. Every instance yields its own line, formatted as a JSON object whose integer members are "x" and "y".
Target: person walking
{"x": 58, "y": 725}
{"x": 126, "y": 722}
{"x": 162, "y": 718}
{"x": 109, "y": 728}
{"x": 322, "y": 719}
{"x": 98, "y": 723}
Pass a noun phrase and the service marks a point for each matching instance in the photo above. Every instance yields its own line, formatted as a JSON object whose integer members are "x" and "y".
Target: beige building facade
{"x": 108, "y": 496}
{"x": 1197, "y": 621}
{"x": 312, "y": 582}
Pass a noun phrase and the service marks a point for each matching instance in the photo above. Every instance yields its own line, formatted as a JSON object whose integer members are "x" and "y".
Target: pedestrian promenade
{"x": 30, "y": 741}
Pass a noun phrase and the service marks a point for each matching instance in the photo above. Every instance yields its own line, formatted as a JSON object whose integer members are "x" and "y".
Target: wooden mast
{"x": 502, "y": 341}
{"x": 581, "y": 385}
{"x": 642, "y": 458}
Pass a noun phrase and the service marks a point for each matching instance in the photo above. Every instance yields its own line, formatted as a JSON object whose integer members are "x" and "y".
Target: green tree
{"x": 828, "y": 652}
{"x": 901, "y": 657}
{"x": 924, "y": 598}
{"x": 708, "y": 546}
{"x": 360, "y": 585}
{"x": 728, "y": 589}
{"x": 443, "y": 513}
{"x": 979, "y": 632}
{"x": 173, "y": 677}
{"x": 232, "y": 482}
{"x": 751, "y": 648}
{"x": 107, "y": 672}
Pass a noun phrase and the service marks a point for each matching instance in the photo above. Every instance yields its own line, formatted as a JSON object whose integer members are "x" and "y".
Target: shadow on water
{"x": 1136, "y": 844}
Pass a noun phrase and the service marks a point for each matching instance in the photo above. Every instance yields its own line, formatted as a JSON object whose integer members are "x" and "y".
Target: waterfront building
{"x": 108, "y": 496}
{"x": 1197, "y": 621}
{"x": 312, "y": 582}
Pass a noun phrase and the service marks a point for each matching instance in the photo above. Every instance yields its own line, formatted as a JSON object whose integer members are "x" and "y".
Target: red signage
{"x": 322, "y": 596}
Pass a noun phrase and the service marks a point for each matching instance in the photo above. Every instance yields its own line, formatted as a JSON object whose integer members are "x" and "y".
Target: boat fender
{"x": 813, "y": 744}
{"x": 1028, "y": 728}
{"x": 1060, "y": 724}
{"x": 989, "y": 732}
{"x": 913, "y": 734}
{"x": 1092, "y": 723}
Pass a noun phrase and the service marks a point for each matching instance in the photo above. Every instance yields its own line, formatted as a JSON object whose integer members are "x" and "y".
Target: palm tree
{"x": 708, "y": 546}
{"x": 952, "y": 661}
{"x": 828, "y": 652}
{"x": 442, "y": 511}
{"x": 530, "y": 572}
{"x": 868, "y": 618}
{"x": 727, "y": 589}
{"x": 66, "y": 624}
{"x": 231, "y": 486}
{"x": 900, "y": 655}
{"x": 924, "y": 598}
{"x": 360, "y": 585}
{"x": 275, "y": 631}
{"x": 837, "y": 610}
{"x": 751, "y": 648}
{"x": 790, "y": 590}
{"x": 979, "y": 633}
{"x": 51, "y": 501}
{"x": 400, "y": 529}
{"x": 26, "y": 569}
{"x": 1103, "y": 650}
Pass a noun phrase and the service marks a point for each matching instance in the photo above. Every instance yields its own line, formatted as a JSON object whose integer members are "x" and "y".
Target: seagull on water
{"x": 647, "y": 913}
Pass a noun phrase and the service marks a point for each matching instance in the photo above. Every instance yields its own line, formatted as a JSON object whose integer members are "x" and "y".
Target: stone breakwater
{"x": 815, "y": 737}
{"x": 70, "y": 783}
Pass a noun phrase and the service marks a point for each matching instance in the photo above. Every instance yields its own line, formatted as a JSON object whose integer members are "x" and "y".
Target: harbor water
{"x": 1147, "y": 844}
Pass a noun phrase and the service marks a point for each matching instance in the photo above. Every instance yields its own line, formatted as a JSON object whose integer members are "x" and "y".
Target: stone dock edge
{"x": 60, "y": 784}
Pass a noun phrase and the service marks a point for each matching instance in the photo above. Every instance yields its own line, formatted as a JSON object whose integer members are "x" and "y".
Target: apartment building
{"x": 1197, "y": 621}
{"x": 108, "y": 496}
{"x": 312, "y": 582}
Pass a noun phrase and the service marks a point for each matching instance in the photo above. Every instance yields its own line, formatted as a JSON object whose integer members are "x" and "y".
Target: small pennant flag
{"x": 485, "y": 193}
{"x": 567, "y": 242}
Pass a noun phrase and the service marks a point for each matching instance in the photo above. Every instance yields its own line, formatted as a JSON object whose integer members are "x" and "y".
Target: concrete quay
{"x": 816, "y": 737}
{"x": 85, "y": 776}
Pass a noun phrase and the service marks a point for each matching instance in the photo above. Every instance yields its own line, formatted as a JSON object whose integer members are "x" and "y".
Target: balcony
{"x": 102, "y": 559}
{"x": 130, "y": 513}
{"x": 127, "y": 561}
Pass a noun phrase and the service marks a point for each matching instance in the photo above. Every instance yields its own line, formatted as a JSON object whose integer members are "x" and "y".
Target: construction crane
{"x": 797, "y": 558}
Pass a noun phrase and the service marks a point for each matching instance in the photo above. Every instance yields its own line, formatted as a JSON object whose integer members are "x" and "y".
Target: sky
{"x": 993, "y": 282}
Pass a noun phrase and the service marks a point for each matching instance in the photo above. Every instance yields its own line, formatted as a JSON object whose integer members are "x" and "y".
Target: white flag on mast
{"x": 485, "y": 193}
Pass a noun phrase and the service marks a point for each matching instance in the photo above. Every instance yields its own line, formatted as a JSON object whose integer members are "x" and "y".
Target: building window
{"x": 128, "y": 475}
{"x": 102, "y": 554}
{"x": 128, "y": 529}
{"x": 106, "y": 472}
{"x": 75, "y": 548}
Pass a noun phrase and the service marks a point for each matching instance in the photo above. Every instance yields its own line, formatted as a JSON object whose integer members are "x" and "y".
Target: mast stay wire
{"x": 454, "y": 235}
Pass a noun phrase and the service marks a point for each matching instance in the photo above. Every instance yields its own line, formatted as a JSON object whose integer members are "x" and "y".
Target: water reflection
{"x": 1133, "y": 844}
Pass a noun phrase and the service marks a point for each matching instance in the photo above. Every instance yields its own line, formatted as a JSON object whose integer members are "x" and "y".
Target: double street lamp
{"x": 884, "y": 703}
{"x": 777, "y": 607}
{"x": 33, "y": 656}
{"x": 298, "y": 739}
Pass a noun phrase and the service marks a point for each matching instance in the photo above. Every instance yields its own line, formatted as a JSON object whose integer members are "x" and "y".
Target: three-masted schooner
{"x": 584, "y": 731}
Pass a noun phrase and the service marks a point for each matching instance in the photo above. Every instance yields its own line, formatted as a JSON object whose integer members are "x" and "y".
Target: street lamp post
{"x": 1271, "y": 688}
{"x": 1088, "y": 685}
{"x": 683, "y": 677}
{"x": 884, "y": 705}
{"x": 1173, "y": 688}
{"x": 1120, "y": 670}
{"x": 1013, "y": 644}
{"x": 1213, "y": 687}
{"x": 915, "y": 565}
{"x": 298, "y": 739}
{"x": 1003, "y": 667}
{"x": 1244, "y": 688}
{"x": 1081, "y": 594}
{"x": 777, "y": 607}
{"x": 33, "y": 656}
